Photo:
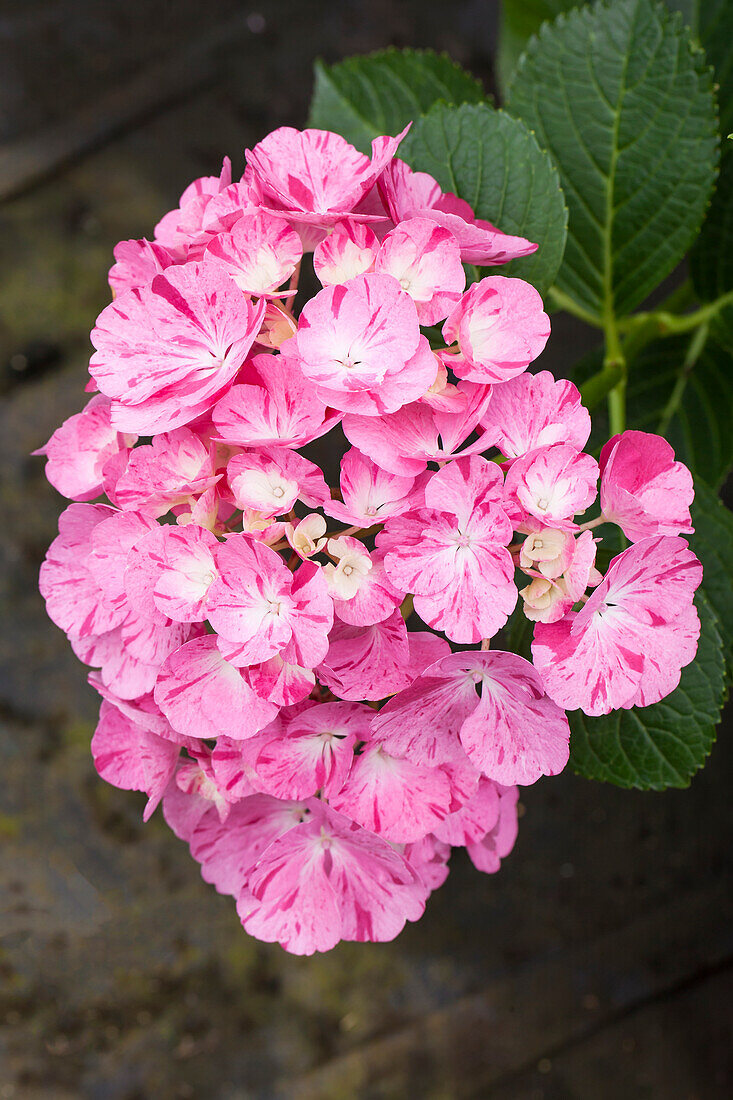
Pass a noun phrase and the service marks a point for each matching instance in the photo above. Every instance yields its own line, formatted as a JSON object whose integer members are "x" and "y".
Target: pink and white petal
{"x": 132, "y": 758}
{"x": 349, "y": 250}
{"x": 202, "y": 695}
{"x": 396, "y": 798}
{"x": 516, "y": 733}
{"x": 486, "y": 854}
{"x": 474, "y": 819}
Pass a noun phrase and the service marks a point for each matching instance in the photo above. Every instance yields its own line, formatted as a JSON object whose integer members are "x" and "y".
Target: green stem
{"x": 694, "y": 351}
{"x": 615, "y": 362}
{"x": 661, "y": 322}
{"x": 560, "y": 300}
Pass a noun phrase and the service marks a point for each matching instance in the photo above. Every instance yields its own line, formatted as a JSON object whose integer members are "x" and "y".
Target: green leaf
{"x": 711, "y": 259}
{"x": 713, "y": 544}
{"x": 715, "y": 30}
{"x": 711, "y": 22}
{"x": 699, "y": 429}
{"x": 624, "y": 102}
{"x": 520, "y": 19}
{"x": 364, "y": 97}
{"x": 493, "y": 162}
{"x": 665, "y": 744}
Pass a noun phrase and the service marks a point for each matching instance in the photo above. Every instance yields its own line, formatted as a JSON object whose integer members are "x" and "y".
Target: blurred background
{"x": 595, "y": 966}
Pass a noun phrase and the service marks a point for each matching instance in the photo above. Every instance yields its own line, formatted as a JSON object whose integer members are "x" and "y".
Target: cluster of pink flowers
{"x": 246, "y": 623}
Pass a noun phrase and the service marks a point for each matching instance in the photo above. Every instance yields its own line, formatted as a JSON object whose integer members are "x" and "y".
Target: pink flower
{"x": 137, "y": 264}
{"x": 329, "y": 879}
{"x": 628, "y": 644}
{"x": 270, "y": 481}
{"x": 260, "y": 253}
{"x": 78, "y": 450}
{"x": 261, "y": 609}
{"x": 275, "y": 406}
{"x": 452, "y": 554}
{"x": 168, "y": 351}
{"x": 172, "y": 568}
{"x": 429, "y": 857}
{"x": 74, "y": 599}
{"x": 643, "y": 489}
{"x": 409, "y": 194}
{"x": 405, "y": 441}
{"x": 316, "y": 176}
{"x": 132, "y": 758}
{"x": 499, "y": 326}
{"x": 426, "y": 261}
{"x": 227, "y": 851}
{"x": 362, "y": 593}
{"x": 351, "y": 337}
{"x": 370, "y": 662}
{"x": 474, "y": 818}
{"x": 512, "y": 732}
{"x": 370, "y": 494}
{"x": 398, "y": 799}
{"x": 313, "y": 753}
{"x": 202, "y": 695}
{"x": 534, "y": 410}
{"x": 553, "y": 484}
{"x": 487, "y": 853}
{"x": 171, "y": 470}
{"x": 349, "y": 250}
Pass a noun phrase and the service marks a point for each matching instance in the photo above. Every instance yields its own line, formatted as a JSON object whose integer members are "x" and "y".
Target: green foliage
{"x": 665, "y": 744}
{"x": 711, "y": 259}
{"x": 493, "y": 162}
{"x": 713, "y": 544}
{"x": 625, "y": 105}
{"x": 698, "y": 427}
{"x": 710, "y": 21}
{"x": 364, "y": 97}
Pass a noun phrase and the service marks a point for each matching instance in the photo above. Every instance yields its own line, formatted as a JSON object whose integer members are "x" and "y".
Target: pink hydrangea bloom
{"x": 632, "y": 637}
{"x": 172, "y": 568}
{"x": 351, "y": 337}
{"x": 131, "y": 757}
{"x": 260, "y": 669}
{"x": 534, "y": 410}
{"x": 404, "y": 442}
{"x": 261, "y": 609}
{"x": 499, "y": 326}
{"x": 559, "y": 581}
{"x": 487, "y": 853}
{"x": 553, "y": 484}
{"x": 202, "y": 695}
{"x": 396, "y": 798}
{"x": 349, "y": 250}
{"x": 643, "y": 489}
{"x": 260, "y": 254}
{"x": 274, "y": 405}
{"x": 426, "y": 261}
{"x": 171, "y": 470}
{"x": 409, "y": 194}
{"x": 137, "y": 264}
{"x": 341, "y": 881}
{"x": 316, "y": 176}
{"x": 512, "y": 732}
{"x": 371, "y": 662}
{"x": 313, "y": 753}
{"x": 78, "y": 451}
{"x": 270, "y": 481}
{"x": 452, "y": 553}
{"x": 165, "y": 353}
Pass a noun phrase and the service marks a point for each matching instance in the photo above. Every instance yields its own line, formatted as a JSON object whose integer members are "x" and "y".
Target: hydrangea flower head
{"x": 311, "y": 678}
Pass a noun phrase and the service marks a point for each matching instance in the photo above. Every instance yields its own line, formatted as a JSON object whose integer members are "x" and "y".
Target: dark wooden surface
{"x": 596, "y": 966}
